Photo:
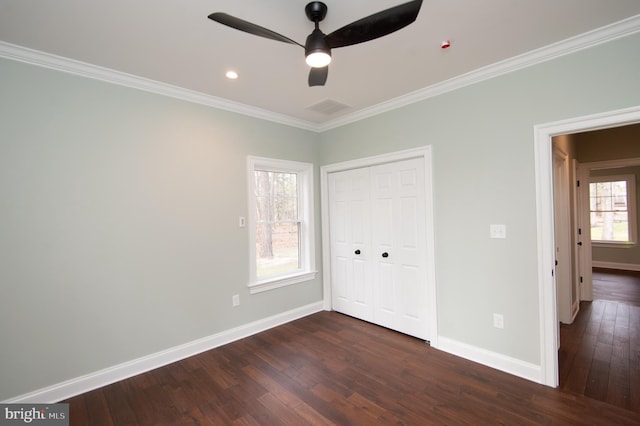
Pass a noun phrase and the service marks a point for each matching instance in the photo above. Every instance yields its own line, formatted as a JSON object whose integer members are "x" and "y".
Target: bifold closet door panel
{"x": 398, "y": 240}
{"x": 352, "y": 290}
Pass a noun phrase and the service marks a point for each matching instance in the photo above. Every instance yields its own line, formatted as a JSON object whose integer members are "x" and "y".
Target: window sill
{"x": 613, "y": 244}
{"x": 273, "y": 283}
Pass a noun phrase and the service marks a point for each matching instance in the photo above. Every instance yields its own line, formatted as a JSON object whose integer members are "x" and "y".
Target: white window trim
{"x": 631, "y": 209}
{"x": 307, "y": 229}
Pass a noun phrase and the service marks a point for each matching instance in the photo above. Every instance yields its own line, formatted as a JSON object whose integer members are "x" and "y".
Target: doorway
{"x": 548, "y": 315}
{"x": 596, "y": 356}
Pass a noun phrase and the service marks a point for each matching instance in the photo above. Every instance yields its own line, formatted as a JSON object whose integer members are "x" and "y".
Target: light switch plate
{"x": 498, "y": 231}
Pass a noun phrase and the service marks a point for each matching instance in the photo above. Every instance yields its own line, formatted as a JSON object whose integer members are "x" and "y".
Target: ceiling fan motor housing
{"x": 316, "y": 43}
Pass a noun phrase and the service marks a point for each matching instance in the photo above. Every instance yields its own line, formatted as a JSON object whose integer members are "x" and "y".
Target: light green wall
{"x": 119, "y": 209}
{"x": 119, "y": 235}
{"x": 483, "y": 164}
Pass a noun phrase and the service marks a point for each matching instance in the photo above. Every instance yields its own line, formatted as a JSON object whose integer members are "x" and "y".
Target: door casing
{"x": 543, "y": 149}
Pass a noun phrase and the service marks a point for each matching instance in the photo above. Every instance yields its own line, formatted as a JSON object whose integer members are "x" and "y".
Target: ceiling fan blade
{"x": 376, "y": 25}
{"x": 318, "y": 76}
{"x": 248, "y": 27}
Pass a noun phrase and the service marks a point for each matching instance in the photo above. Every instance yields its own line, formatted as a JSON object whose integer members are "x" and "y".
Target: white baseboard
{"x": 79, "y": 385}
{"x": 615, "y": 265}
{"x": 495, "y": 360}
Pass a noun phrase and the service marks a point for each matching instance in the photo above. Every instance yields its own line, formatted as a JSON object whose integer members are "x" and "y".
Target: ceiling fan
{"x": 318, "y": 45}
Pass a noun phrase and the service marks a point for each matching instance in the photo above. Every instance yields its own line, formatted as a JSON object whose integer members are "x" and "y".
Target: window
{"x": 281, "y": 226}
{"x": 612, "y": 209}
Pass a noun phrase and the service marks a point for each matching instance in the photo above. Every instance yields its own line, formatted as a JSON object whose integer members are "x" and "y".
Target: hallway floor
{"x": 600, "y": 352}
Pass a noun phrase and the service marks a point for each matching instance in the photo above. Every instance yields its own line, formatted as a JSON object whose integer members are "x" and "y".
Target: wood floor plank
{"x": 78, "y": 411}
{"x": 279, "y": 412}
{"x": 120, "y": 407}
{"x": 619, "y": 385}
{"x": 98, "y": 409}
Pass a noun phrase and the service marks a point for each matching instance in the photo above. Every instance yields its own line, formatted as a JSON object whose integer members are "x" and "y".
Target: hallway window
{"x": 612, "y": 209}
{"x": 280, "y": 223}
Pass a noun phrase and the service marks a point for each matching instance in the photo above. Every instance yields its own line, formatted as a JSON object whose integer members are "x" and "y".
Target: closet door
{"x": 378, "y": 247}
{"x": 352, "y": 290}
{"x": 399, "y": 247}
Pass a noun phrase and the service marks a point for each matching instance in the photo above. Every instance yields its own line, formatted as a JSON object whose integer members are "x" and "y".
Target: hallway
{"x": 599, "y": 354}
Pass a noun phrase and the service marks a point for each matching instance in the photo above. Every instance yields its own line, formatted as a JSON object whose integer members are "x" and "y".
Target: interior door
{"x": 352, "y": 292}
{"x": 584, "y": 238}
{"x": 399, "y": 247}
{"x": 564, "y": 265}
{"x": 577, "y": 237}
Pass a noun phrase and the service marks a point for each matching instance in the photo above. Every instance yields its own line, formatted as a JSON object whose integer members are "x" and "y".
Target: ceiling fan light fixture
{"x": 318, "y": 59}
{"x": 316, "y": 50}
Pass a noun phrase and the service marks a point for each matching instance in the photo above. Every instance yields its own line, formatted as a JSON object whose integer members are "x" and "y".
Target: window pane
{"x": 619, "y": 188}
{"x": 596, "y": 227}
{"x": 277, "y": 248}
{"x": 620, "y": 226}
{"x": 277, "y": 227}
{"x": 620, "y": 203}
{"x": 276, "y": 196}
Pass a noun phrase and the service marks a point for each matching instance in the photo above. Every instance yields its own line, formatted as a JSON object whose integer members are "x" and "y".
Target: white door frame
{"x": 425, "y": 154}
{"x": 543, "y": 133}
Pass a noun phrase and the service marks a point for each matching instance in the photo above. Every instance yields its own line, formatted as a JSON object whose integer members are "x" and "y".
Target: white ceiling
{"x": 173, "y": 42}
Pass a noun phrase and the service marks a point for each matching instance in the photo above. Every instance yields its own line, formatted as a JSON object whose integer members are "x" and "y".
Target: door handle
{"x": 579, "y": 243}
{"x": 385, "y": 254}
{"x": 357, "y": 251}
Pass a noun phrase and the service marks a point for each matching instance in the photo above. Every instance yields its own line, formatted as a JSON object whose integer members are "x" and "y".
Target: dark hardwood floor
{"x": 599, "y": 353}
{"x": 326, "y": 369}
{"x": 618, "y": 286}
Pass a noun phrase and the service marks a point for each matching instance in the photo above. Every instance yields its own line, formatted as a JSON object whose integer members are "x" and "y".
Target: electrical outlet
{"x": 242, "y": 222}
{"x": 498, "y": 321}
{"x": 235, "y": 300}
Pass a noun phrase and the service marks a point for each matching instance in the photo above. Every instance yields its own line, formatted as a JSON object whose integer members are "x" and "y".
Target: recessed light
{"x": 231, "y": 75}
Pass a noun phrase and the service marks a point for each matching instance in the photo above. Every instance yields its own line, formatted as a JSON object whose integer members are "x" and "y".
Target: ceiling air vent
{"x": 328, "y": 107}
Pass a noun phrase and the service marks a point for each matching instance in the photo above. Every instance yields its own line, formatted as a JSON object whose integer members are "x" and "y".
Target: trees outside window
{"x": 277, "y": 223}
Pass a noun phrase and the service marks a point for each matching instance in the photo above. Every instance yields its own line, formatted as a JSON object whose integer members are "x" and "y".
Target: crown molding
{"x": 589, "y": 39}
{"x": 83, "y": 69}
{"x": 583, "y": 41}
